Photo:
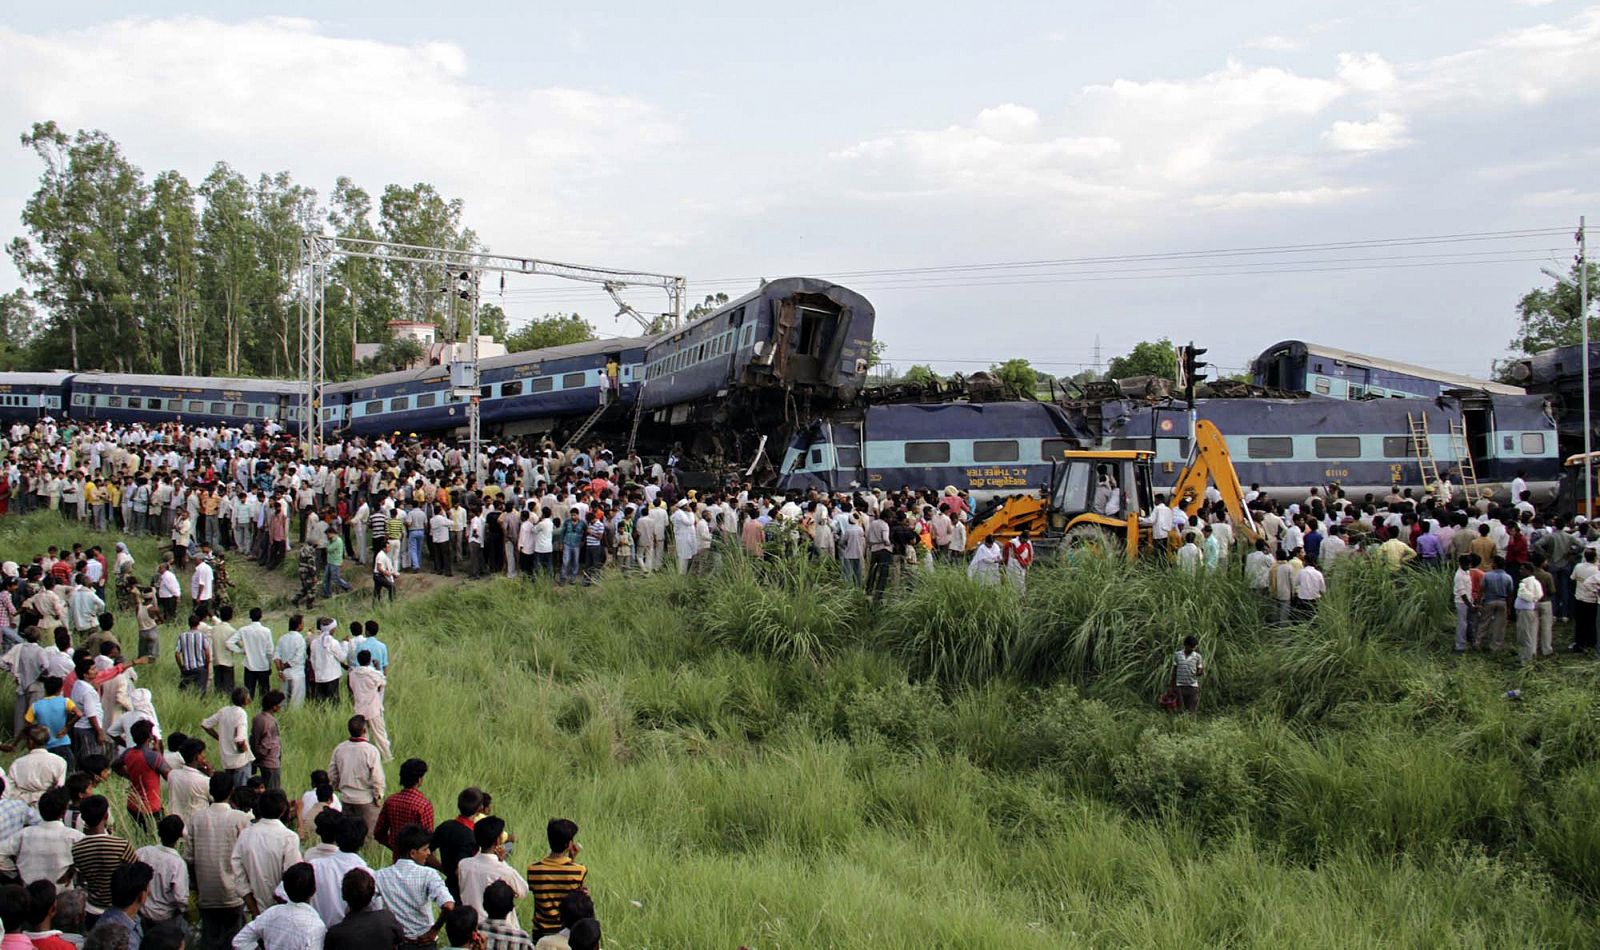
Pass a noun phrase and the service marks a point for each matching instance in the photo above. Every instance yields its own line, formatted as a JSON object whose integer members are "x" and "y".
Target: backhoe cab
{"x": 1103, "y": 499}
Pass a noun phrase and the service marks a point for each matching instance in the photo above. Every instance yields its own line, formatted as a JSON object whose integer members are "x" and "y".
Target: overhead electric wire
{"x": 1202, "y": 258}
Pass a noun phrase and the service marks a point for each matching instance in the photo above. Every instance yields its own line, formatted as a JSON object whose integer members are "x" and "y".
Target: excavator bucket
{"x": 1015, "y": 515}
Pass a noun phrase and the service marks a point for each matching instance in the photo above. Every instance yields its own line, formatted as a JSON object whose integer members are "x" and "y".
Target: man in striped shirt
{"x": 554, "y": 876}
{"x": 194, "y": 656}
{"x": 98, "y": 853}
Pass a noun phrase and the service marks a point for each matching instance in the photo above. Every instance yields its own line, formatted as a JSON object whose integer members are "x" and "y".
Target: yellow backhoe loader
{"x": 1104, "y": 499}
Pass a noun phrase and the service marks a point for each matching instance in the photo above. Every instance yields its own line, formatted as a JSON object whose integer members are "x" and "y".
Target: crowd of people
{"x": 234, "y": 859}
{"x": 263, "y": 868}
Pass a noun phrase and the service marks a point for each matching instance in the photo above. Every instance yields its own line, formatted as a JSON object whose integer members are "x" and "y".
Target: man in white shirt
{"x": 1309, "y": 585}
{"x": 44, "y": 851}
{"x": 1258, "y": 567}
{"x": 1161, "y": 525}
{"x": 202, "y": 584}
{"x": 382, "y": 576}
{"x": 292, "y": 925}
{"x": 290, "y": 658}
{"x": 36, "y": 772}
{"x": 476, "y": 873}
{"x": 168, "y": 898}
{"x": 254, "y": 641}
{"x": 230, "y": 726}
{"x": 265, "y": 850}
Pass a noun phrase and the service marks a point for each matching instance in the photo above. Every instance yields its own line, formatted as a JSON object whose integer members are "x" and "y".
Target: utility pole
{"x": 1583, "y": 321}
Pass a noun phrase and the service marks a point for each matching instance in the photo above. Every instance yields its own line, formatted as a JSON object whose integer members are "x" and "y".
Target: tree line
{"x": 127, "y": 273}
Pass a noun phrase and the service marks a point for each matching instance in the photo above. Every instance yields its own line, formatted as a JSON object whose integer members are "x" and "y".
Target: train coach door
{"x": 848, "y": 454}
{"x": 1477, "y": 417}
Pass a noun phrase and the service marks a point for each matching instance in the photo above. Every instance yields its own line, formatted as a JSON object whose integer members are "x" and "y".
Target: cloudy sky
{"x": 1015, "y": 181}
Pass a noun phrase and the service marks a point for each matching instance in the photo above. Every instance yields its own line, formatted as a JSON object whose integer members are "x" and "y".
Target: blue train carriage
{"x": 798, "y": 336}
{"x": 518, "y": 393}
{"x": 1298, "y": 366}
{"x": 1286, "y": 446}
{"x": 202, "y": 400}
{"x": 989, "y": 449}
{"x": 28, "y": 397}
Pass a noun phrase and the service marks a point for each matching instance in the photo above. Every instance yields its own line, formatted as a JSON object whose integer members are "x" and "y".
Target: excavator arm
{"x": 1209, "y": 462}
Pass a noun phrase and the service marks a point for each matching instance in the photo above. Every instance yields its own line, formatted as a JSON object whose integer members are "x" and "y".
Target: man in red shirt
{"x": 144, "y": 768}
{"x": 405, "y": 807}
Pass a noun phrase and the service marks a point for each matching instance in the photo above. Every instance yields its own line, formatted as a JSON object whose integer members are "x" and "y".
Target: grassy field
{"x": 760, "y": 757}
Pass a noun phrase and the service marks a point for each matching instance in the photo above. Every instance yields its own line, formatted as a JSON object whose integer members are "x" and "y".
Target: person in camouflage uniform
{"x": 309, "y": 577}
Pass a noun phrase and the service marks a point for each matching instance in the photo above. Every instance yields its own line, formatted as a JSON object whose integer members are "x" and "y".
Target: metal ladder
{"x": 1423, "y": 447}
{"x": 1464, "y": 465}
{"x": 638, "y": 414}
{"x": 588, "y": 424}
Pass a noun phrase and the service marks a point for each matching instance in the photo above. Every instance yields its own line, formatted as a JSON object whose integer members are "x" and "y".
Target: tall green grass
{"x": 760, "y": 757}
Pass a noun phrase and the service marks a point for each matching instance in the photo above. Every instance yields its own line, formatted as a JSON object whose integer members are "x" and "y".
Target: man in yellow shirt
{"x": 1396, "y": 552}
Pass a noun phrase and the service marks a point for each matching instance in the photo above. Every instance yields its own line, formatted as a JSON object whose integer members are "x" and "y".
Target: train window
{"x": 1338, "y": 447}
{"x": 749, "y": 334}
{"x": 399, "y": 403}
{"x": 1323, "y": 387}
{"x": 1533, "y": 443}
{"x": 543, "y": 384}
{"x": 134, "y": 402}
{"x": 374, "y": 407}
{"x": 513, "y": 388}
{"x": 1052, "y": 448}
{"x": 1128, "y": 445}
{"x": 260, "y": 411}
{"x": 486, "y": 392}
{"x": 1398, "y": 447}
{"x": 424, "y": 400}
{"x": 996, "y": 450}
{"x": 196, "y": 405}
{"x": 1270, "y": 447}
{"x": 115, "y": 402}
{"x": 573, "y": 380}
{"x": 927, "y": 452}
{"x": 240, "y": 409}
{"x": 216, "y": 409}
{"x": 700, "y": 353}
{"x": 816, "y": 456}
{"x": 79, "y": 399}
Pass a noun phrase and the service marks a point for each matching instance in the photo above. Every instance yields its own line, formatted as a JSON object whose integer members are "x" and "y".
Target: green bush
{"x": 1193, "y": 771}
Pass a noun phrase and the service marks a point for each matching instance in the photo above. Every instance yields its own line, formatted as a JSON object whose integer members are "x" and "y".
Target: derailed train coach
{"x": 758, "y": 364}
{"x": 1283, "y": 445}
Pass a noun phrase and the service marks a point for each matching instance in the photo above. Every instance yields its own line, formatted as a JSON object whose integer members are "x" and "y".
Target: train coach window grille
{"x": 260, "y": 411}
{"x": 1398, "y": 447}
{"x": 425, "y": 400}
{"x": 996, "y": 450}
{"x": 486, "y": 392}
{"x": 373, "y": 408}
{"x": 1052, "y": 448}
{"x": 134, "y": 402}
{"x": 1270, "y": 447}
{"x": 1129, "y": 445}
{"x": 816, "y": 456}
{"x": 574, "y": 380}
{"x": 114, "y": 402}
{"x": 216, "y": 409}
{"x": 241, "y": 409}
{"x": 196, "y": 405}
{"x": 399, "y": 403}
{"x": 512, "y": 388}
{"x": 927, "y": 453}
{"x": 543, "y": 384}
{"x": 1323, "y": 387}
{"x": 1533, "y": 443}
{"x": 1338, "y": 446}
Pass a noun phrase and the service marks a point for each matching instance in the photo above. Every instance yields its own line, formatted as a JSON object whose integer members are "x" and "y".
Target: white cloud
{"x": 1385, "y": 132}
{"x": 278, "y": 93}
{"x": 1365, "y": 72}
{"x": 1250, "y": 200}
{"x": 1008, "y": 121}
{"x": 1533, "y": 3}
{"x": 1274, "y": 44}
